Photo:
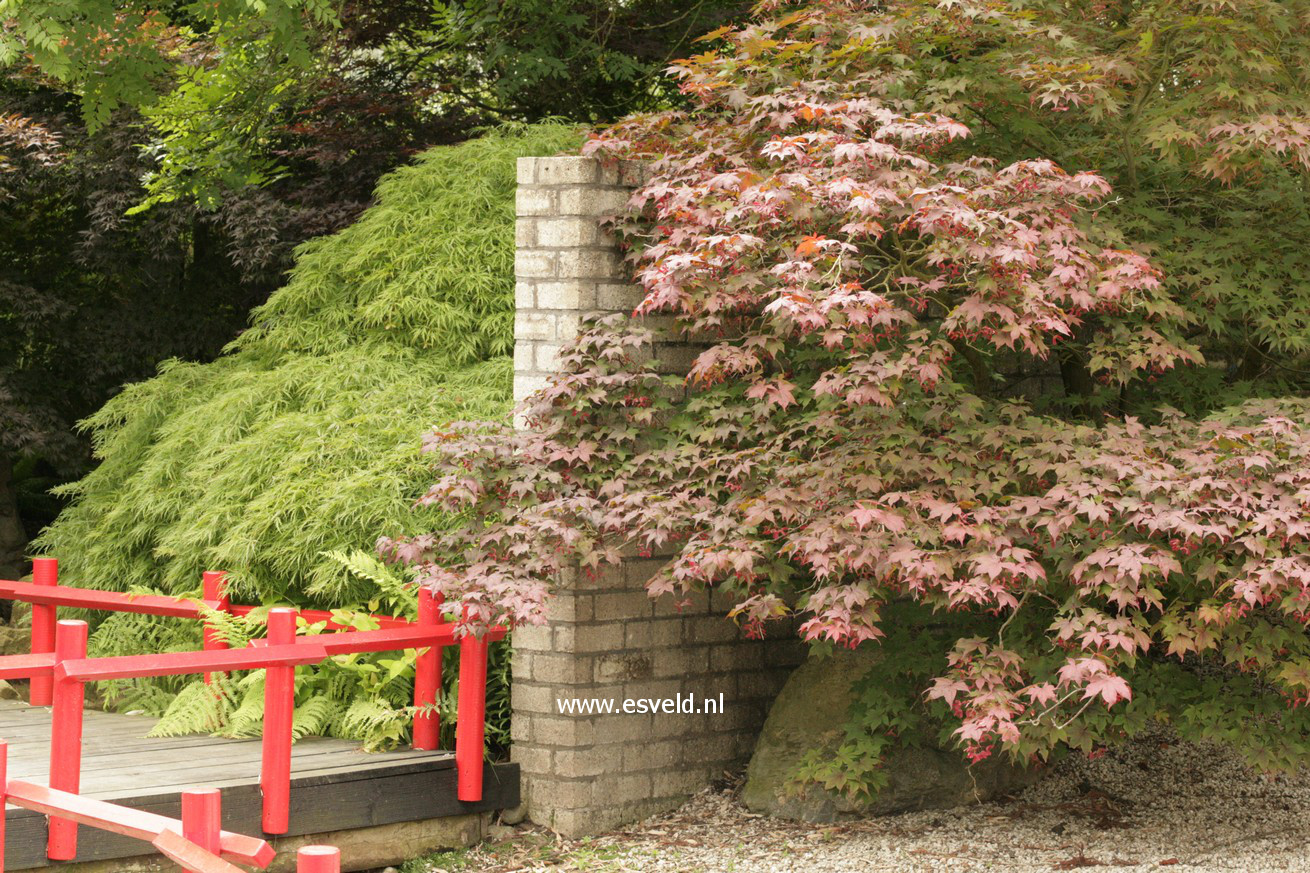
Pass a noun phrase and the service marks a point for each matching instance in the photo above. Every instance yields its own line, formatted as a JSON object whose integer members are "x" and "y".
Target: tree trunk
{"x": 13, "y": 538}
{"x": 1078, "y": 383}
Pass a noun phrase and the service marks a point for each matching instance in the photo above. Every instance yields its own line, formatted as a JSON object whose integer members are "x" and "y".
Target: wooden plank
{"x": 114, "y": 783}
{"x": 134, "y": 753}
{"x": 111, "y": 774}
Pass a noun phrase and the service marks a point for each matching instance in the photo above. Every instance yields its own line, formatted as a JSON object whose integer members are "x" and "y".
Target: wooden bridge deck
{"x": 334, "y": 785}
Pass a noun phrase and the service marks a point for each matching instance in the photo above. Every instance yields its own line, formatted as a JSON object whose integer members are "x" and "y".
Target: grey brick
{"x": 575, "y": 763}
{"x": 524, "y": 356}
{"x": 566, "y": 232}
{"x": 652, "y": 756}
{"x": 525, "y": 233}
{"x": 534, "y": 325}
{"x": 592, "y": 202}
{"x": 526, "y": 697}
{"x": 619, "y": 787}
{"x": 622, "y": 667}
{"x": 589, "y": 264}
{"x": 565, "y": 606}
{"x": 529, "y": 201}
{"x": 532, "y": 638}
{"x": 527, "y": 384}
{"x": 563, "y": 669}
{"x": 634, "y": 173}
{"x": 623, "y": 606}
{"x": 536, "y": 264}
{"x": 596, "y": 637}
{"x": 616, "y": 297}
{"x": 525, "y": 295}
{"x": 567, "y": 170}
{"x": 560, "y": 793}
{"x": 533, "y": 759}
{"x": 677, "y": 783}
{"x": 573, "y": 731}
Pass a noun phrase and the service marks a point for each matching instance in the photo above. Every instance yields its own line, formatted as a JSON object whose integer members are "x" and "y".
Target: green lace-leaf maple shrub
{"x": 282, "y": 458}
{"x": 866, "y": 268}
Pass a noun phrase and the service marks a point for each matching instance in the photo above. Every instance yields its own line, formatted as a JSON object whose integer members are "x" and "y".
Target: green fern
{"x": 368, "y": 566}
{"x": 247, "y": 720}
{"x": 236, "y": 631}
{"x": 197, "y": 709}
{"x": 314, "y": 716}
{"x": 381, "y": 725}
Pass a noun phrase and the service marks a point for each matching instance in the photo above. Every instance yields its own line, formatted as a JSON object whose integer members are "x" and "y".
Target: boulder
{"x": 809, "y": 714}
{"x": 15, "y": 640}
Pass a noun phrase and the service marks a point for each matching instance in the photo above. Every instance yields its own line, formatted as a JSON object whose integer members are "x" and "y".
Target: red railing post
{"x": 215, "y": 591}
{"x": 202, "y": 819}
{"x": 279, "y": 711}
{"x": 315, "y": 859}
{"x": 470, "y": 717}
{"x": 427, "y": 678}
{"x": 4, "y": 784}
{"x": 215, "y": 594}
{"x": 66, "y": 738}
{"x": 45, "y": 571}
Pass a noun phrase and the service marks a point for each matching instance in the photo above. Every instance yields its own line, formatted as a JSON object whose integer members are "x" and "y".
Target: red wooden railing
{"x": 197, "y": 841}
{"x": 59, "y": 668}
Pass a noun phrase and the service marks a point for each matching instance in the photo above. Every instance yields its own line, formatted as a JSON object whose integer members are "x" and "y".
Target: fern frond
{"x": 375, "y": 723}
{"x": 235, "y": 630}
{"x": 369, "y": 567}
{"x": 314, "y": 716}
{"x": 247, "y": 720}
{"x": 197, "y": 709}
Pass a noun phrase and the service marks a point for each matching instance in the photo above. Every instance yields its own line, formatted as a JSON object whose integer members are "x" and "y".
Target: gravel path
{"x": 1150, "y": 805}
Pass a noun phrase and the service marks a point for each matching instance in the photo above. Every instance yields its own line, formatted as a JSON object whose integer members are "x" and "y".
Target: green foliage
{"x": 239, "y": 95}
{"x": 279, "y": 460}
{"x": 879, "y": 283}
{"x": 589, "y": 59}
{"x": 118, "y": 53}
{"x": 889, "y": 710}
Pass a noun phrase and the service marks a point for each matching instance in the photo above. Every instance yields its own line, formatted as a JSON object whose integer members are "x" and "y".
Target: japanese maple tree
{"x": 864, "y": 279}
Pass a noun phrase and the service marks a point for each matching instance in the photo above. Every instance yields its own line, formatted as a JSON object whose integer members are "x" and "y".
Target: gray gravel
{"x": 1154, "y": 804}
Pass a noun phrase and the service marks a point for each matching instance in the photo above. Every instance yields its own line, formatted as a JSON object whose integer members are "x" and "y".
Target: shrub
{"x": 844, "y": 446}
{"x": 302, "y": 442}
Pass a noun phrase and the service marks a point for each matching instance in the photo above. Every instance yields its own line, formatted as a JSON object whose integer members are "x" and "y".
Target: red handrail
{"x": 181, "y": 663}
{"x": 27, "y": 667}
{"x": 59, "y": 661}
{"x": 104, "y": 601}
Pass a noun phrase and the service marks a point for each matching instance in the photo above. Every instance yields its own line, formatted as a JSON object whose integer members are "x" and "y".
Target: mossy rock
{"x": 810, "y": 713}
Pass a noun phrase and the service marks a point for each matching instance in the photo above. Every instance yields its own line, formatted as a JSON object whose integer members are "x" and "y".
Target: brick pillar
{"x": 606, "y": 638}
